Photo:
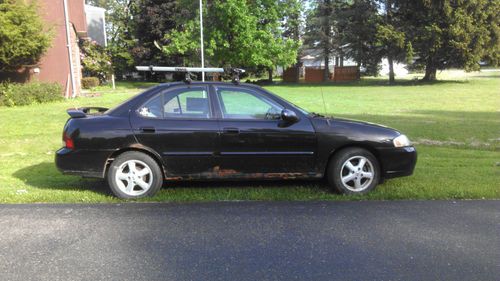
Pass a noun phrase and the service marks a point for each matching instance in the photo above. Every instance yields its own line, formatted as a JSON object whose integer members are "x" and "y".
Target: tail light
{"x": 68, "y": 142}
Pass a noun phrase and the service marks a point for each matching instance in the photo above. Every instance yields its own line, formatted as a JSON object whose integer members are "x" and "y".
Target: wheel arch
{"x": 139, "y": 148}
{"x": 369, "y": 148}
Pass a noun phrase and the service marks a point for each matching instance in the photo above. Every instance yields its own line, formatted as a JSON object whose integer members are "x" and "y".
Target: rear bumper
{"x": 85, "y": 163}
{"x": 398, "y": 161}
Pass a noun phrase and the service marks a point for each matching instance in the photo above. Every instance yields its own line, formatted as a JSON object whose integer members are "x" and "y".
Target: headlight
{"x": 401, "y": 141}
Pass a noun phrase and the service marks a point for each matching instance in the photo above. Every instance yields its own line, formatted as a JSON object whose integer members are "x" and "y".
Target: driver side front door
{"x": 253, "y": 139}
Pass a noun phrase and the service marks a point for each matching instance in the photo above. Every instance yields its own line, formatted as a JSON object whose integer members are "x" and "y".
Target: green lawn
{"x": 455, "y": 124}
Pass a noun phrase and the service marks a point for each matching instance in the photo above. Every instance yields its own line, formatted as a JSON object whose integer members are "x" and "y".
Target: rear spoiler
{"x": 82, "y": 112}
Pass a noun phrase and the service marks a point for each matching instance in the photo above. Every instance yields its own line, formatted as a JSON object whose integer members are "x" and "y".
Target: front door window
{"x": 243, "y": 104}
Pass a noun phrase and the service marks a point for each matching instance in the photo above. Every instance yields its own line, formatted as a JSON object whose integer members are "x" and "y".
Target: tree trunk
{"x": 297, "y": 70}
{"x": 390, "y": 58}
{"x": 326, "y": 73}
{"x": 391, "y": 69}
{"x": 270, "y": 74}
{"x": 430, "y": 73}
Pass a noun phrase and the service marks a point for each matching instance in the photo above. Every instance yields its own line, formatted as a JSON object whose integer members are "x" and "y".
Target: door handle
{"x": 148, "y": 129}
{"x": 231, "y": 131}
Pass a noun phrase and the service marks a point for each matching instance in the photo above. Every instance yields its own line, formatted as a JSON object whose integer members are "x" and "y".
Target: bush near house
{"x": 95, "y": 60}
{"x": 90, "y": 82}
{"x": 15, "y": 94}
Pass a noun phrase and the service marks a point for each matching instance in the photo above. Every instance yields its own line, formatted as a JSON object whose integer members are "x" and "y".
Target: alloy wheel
{"x": 357, "y": 173}
{"x": 134, "y": 177}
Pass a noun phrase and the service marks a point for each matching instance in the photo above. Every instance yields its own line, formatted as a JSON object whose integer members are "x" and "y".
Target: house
{"x": 96, "y": 24}
{"x": 63, "y": 54}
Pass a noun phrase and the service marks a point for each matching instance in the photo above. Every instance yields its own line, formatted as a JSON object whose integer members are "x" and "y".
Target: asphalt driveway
{"x": 374, "y": 240}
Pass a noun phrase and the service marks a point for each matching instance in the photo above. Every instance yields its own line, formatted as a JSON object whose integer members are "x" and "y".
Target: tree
{"x": 119, "y": 31}
{"x": 391, "y": 38}
{"x": 319, "y": 33}
{"x": 95, "y": 61}
{"x": 279, "y": 49}
{"x": 292, "y": 25}
{"x": 451, "y": 33}
{"x": 237, "y": 33}
{"x": 359, "y": 20}
{"x": 152, "y": 19}
{"x": 23, "y": 35}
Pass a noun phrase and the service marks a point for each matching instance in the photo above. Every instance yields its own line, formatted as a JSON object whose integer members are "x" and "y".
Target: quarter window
{"x": 152, "y": 108}
{"x": 238, "y": 104}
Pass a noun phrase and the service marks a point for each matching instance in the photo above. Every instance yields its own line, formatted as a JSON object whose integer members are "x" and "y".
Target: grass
{"x": 455, "y": 123}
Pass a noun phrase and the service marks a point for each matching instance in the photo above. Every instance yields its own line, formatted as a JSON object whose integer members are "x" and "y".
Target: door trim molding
{"x": 269, "y": 153}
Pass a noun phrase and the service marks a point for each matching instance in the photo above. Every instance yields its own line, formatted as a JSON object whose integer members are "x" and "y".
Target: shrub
{"x": 96, "y": 61}
{"x": 23, "y": 34}
{"x": 14, "y": 94}
{"x": 90, "y": 82}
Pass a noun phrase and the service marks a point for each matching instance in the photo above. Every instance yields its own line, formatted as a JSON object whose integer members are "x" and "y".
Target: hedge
{"x": 90, "y": 82}
{"x": 15, "y": 94}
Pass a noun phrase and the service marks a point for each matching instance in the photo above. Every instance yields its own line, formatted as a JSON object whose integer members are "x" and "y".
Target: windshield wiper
{"x": 314, "y": 114}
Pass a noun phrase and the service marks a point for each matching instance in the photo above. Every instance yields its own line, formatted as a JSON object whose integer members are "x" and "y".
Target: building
{"x": 56, "y": 63}
{"x": 96, "y": 24}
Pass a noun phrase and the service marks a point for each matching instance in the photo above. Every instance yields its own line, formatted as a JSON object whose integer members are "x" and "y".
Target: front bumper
{"x": 397, "y": 161}
{"x": 85, "y": 163}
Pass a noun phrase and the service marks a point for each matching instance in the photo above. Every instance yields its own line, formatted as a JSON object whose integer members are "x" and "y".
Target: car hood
{"x": 355, "y": 130}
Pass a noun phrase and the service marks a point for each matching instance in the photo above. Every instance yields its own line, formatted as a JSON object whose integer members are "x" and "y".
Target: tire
{"x": 134, "y": 175}
{"x": 356, "y": 177}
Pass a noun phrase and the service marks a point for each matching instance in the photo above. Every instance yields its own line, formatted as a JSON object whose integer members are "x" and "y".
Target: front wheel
{"x": 134, "y": 175}
{"x": 353, "y": 171}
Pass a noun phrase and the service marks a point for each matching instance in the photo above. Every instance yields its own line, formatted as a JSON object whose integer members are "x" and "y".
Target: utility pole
{"x": 201, "y": 42}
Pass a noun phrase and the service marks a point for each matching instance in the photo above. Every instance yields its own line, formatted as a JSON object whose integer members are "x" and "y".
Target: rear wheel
{"x": 134, "y": 175}
{"x": 353, "y": 171}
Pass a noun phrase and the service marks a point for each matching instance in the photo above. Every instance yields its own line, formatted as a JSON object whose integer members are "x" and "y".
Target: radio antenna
{"x": 323, "y": 98}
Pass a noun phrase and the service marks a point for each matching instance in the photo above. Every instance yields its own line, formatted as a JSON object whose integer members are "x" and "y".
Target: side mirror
{"x": 289, "y": 116}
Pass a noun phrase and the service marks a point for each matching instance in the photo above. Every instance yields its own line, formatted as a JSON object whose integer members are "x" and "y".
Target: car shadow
{"x": 46, "y": 176}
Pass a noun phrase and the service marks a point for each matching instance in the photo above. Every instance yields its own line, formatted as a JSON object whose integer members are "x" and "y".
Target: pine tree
{"x": 451, "y": 33}
{"x": 23, "y": 36}
{"x": 321, "y": 31}
{"x": 359, "y": 20}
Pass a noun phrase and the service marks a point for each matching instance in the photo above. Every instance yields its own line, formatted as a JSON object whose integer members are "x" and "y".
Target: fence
{"x": 345, "y": 73}
{"x": 315, "y": 75}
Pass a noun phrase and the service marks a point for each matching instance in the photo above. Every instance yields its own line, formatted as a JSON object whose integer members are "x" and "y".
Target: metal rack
{"x": 234, "y": 72}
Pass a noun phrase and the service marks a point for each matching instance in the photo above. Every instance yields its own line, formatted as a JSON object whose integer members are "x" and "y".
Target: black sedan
{"x": 215, "y": 130}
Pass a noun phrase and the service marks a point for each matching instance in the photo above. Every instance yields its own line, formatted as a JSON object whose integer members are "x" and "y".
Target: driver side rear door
{"x": 180, "y": 126}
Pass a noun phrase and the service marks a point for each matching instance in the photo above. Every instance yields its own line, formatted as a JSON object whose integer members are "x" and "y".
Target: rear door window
{"x": 187, "y": 103}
